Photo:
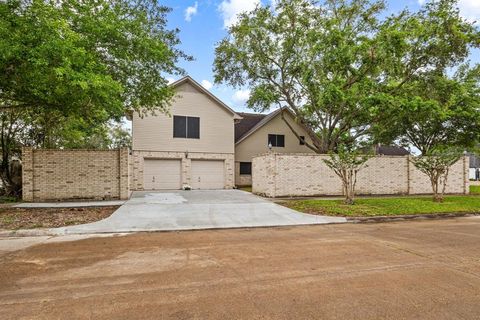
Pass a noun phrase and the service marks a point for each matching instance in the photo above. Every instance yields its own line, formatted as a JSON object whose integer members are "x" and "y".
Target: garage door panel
{"x": 208, "y": 174}
{"x": 161, "y": 174}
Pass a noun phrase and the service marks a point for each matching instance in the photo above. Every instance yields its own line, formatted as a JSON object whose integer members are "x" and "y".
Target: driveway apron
{"x": 197, "y": 209}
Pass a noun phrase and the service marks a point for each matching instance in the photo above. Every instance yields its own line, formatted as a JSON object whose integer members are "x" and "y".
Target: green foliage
{"x": 320, "y": 61}
{"x": 475, "y": 190}
{"x": 70, "y": 68}
{"x": 120, "y": 137}
{"x": 350, "y": 74}
{"x": 434, "y": 112}
{"x": 436, "y": 166}
{"x": 87, "y": 58}
{"x": 431, "y": 97}
{"x": 346, "y": 163}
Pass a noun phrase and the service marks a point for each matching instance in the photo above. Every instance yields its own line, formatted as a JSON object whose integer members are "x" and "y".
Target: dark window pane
{"x": 179, "y": 127}
{"x": 280, "y": 140}
{"x": 272, "y": 140}
{"x": 193, "y": 127}
{"x": 302, "y": 140}
{"x": 245, "y": 168}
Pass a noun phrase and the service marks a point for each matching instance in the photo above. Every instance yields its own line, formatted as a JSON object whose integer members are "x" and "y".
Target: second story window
{"x": 186, "y": 127}
{"x": 276, "y": 140}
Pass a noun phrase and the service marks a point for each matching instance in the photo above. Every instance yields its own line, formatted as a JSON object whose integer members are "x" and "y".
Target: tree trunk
{"x": 349, "y": 199}
{"x": 349, "y": 187}
{"x": 444, "y": 184}
{"x": 438, "y": 197}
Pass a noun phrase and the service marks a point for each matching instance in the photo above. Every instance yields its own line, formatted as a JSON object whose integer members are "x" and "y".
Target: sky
{"x": 203, "y": 23}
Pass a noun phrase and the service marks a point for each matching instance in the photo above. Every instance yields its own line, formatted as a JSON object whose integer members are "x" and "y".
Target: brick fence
{"x": 75, "y": 174}
{"x": 280, "y": 175}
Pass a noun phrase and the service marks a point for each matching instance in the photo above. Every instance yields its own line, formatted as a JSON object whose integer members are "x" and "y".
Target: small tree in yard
{"x": 346, "y": 163}
{"x": 436, "y": 166}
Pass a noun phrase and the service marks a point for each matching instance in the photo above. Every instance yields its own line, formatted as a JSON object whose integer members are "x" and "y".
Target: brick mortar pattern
{"x": 75, "y": 174}
{"x": 279, "y": 175}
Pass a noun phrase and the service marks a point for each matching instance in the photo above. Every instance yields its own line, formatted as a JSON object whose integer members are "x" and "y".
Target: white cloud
{"x": 191, "y": 11}
{"x": 470, "y": 9}
{"x": 231, "y": 8}
{"x": 241, "y": 96}
{"x": 170, "y": 80}
{"x": 207, "y": 84}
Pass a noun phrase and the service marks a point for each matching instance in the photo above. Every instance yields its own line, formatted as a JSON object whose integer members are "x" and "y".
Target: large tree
{"x": 434, "y": 111}
{"x": 319, "y": 60}
{"x": 86, "y": 57}
{"x": 432, "y": 92}
{"x": 431, "y": 97}
{"x": 338, "y": 65}
{"x": 69, "y": 68}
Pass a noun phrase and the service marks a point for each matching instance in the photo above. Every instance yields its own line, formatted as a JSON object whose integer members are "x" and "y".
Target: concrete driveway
{"x": 198, "y": 209}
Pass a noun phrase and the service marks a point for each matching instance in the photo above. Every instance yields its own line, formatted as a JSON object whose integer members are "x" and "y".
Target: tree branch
{"x": 308, "y": 145}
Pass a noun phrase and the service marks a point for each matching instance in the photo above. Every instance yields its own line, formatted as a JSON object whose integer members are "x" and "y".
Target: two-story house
{"x": 203, "y": 143}
{"x": 259, "y": 133}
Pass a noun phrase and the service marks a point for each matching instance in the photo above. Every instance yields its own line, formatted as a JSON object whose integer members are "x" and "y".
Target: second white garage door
{"x": 208, "y": 174}
{"x": 162, "y": 174}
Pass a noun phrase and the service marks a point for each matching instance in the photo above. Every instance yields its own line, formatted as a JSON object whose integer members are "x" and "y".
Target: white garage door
{"x": 162, "y": 174}
{"x": 208, "y": 174}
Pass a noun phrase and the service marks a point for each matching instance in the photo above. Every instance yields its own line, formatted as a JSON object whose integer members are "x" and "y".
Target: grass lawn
{"x": 5, "y": 199}
{"x": 28, "y": 218}
{"x": 387, "y": 206}
{"x": 248, "y": 189}
{"x": 474, "y": 189}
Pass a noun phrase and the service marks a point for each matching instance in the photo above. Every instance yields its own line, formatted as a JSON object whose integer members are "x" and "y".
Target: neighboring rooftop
{"x": 391, "y": 150}
{"x": 248, "y": 121}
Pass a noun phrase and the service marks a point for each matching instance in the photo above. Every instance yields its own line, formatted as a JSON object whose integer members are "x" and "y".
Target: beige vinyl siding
{"x": 155, "y": 133}
{"x": 257, "y": 142}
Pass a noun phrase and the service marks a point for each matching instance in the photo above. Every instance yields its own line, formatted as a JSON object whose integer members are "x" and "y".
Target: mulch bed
{"x": 29, "y": 218}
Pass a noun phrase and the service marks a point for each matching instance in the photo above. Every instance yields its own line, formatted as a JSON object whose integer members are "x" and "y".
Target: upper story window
{"x": 302, "y": 140}
{"x": 186, "y": 127}
{"x": 276, "y": 140}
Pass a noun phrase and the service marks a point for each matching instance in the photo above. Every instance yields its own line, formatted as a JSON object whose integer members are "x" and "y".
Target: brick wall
{"x": 75, "y": 174}
{"x": 278, "y": 175}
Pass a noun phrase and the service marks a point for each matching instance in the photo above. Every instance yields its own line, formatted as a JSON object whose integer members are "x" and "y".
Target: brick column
{"x": 229, "y": 167}
{"x": 407, "y": 157}
{"x": 123, "y": 155}
{"x": 409, "y": 173}
{"x": 466, "y": 177}
{"x": 186, "y": 171}
{"x": 27, "y": 174}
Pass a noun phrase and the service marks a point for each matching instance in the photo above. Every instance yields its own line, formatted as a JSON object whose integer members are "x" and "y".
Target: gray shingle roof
{"x": 391, "y": 151}
{"x": 243, "y": 126}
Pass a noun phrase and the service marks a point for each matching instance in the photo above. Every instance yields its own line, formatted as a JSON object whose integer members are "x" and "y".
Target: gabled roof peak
{"x": 261, "y": 121}
{"x": 200, "y": 88}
